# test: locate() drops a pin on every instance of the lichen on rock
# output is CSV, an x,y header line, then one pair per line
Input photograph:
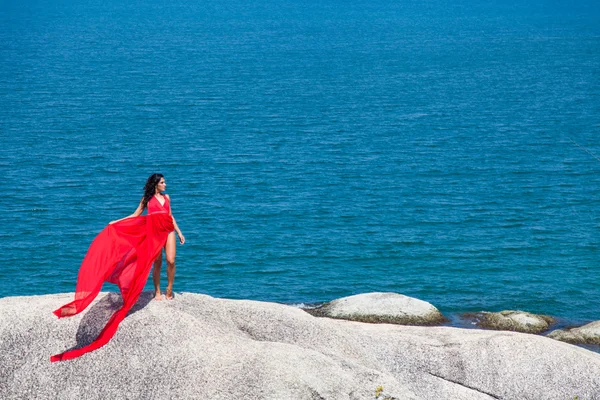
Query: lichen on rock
x,y
510,320
586,334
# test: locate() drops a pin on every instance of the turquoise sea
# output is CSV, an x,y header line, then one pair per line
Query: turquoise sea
x,y
312,149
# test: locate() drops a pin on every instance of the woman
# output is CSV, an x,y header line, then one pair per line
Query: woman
x,y
156,201
123,254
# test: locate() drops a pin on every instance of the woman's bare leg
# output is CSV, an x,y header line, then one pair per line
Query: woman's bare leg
x,y
156,276
170,250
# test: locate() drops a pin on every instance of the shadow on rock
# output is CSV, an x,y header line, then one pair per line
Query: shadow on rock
x,y
98,315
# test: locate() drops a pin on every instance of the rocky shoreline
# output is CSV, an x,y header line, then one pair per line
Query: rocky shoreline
x,y
398,309
202,347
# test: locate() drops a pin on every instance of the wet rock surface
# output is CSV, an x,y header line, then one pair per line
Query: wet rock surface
x,y
509,320
586,334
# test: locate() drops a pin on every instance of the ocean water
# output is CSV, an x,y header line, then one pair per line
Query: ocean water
x,y
312,149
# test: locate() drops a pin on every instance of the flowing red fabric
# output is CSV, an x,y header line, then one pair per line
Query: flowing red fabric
x,y
122,254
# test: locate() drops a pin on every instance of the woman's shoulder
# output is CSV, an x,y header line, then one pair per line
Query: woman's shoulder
x,y
167,196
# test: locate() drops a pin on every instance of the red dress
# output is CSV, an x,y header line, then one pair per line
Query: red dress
x,y
123,254
155,206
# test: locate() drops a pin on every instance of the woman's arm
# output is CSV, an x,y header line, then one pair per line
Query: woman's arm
x,y
181,237
136,213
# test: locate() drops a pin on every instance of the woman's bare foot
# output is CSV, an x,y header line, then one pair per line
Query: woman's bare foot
x,y
169,293
158,296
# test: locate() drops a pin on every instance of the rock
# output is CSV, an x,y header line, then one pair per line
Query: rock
x,y
391,308
586,334
508,320
199,347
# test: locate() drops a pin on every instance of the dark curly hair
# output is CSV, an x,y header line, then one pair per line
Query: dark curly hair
x,y
150,187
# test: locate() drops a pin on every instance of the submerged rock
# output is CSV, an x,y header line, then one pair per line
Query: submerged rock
x,y
391,308
200,347
508,320
586,334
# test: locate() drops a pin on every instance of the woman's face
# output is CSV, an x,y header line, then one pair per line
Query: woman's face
x,y
162,185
